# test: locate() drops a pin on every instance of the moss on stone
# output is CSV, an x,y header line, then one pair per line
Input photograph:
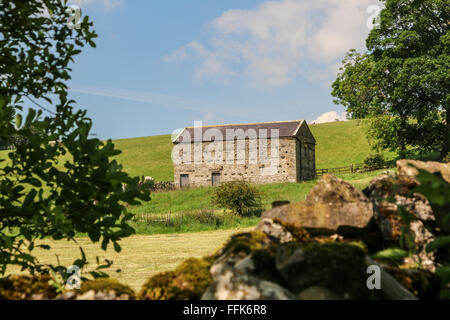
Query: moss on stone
x,y
27,287
422,283
106,285
246,242
335,248
337,266
187,282
300,234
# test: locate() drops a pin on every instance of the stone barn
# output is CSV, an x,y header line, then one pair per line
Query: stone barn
x,y
268,152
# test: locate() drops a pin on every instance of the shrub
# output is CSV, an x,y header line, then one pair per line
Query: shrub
x,y
374,162
238,196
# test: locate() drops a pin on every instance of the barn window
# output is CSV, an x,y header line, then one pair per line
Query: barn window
x,y
215,178
184,180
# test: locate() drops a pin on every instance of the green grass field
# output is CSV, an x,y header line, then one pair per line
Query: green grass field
x,y
338,144
141,257
196,199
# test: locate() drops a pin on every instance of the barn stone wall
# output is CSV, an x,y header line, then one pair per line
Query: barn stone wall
x,y
287,163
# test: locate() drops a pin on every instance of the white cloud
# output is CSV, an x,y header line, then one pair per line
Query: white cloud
x,y
278,41
212,63
331,116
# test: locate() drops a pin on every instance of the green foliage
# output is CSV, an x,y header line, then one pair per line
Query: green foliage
x,y
443,241
402,82
238,196
433,187
447,158
444,274
375,162
357,85
39,196
395,255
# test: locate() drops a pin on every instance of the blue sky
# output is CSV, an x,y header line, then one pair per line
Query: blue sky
x,y
160,65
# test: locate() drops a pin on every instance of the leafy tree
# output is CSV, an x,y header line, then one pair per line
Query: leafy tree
x,y
238,196
59,181
402,81
357,85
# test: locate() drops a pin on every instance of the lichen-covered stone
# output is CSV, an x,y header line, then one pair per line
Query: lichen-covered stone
x,y
389,196
323,218
187,282
422,283
235,285
407,170
339,267
332,206
245,269
252,251
318,293
330,189
100,289
275,231
27,287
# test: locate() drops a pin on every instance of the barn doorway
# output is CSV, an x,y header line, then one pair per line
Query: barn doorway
x,y
215,179
184,180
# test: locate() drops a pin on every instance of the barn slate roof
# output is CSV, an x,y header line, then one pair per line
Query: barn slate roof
x,y
285,129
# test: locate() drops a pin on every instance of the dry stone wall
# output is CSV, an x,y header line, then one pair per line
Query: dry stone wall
x,y
276,167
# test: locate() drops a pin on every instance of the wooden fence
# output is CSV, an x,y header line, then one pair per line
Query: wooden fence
x,y
353,168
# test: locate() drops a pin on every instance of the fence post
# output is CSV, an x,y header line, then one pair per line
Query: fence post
x,y
351,168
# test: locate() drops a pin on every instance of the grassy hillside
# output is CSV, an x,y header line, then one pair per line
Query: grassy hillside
x,y
147,156
338,144
341,143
